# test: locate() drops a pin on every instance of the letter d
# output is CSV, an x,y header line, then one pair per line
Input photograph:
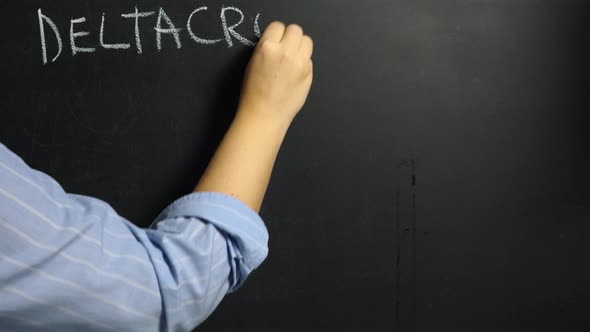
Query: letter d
x,y
42,33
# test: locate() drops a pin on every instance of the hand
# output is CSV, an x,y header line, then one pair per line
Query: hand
x,y
279,75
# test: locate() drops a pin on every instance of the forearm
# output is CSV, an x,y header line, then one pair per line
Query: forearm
x,y
276,84
242,165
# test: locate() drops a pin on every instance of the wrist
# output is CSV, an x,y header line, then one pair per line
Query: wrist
x,y
263,118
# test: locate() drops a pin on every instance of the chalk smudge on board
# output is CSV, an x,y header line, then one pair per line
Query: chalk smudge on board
x,y
405,224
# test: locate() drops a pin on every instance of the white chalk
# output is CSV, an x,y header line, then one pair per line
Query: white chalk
x,y
193,35
171,30
111,46
73,36
256,26
163,25
42,33
136,15
229,31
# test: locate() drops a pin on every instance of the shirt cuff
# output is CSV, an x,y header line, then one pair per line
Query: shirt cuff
x,y
228,214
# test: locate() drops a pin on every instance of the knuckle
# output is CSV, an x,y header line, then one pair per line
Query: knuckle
x,y
286,56
269,50
295,27
264,43
277,24
265,46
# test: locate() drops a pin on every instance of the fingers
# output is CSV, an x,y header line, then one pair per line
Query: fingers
x,y
306,49
292,38
274,32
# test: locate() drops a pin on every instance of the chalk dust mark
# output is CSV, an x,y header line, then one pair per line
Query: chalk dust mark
x,y
406,245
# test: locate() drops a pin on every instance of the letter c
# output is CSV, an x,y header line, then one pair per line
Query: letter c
x,y
192,34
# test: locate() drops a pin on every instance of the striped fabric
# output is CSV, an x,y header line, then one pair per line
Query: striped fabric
x,y
71,263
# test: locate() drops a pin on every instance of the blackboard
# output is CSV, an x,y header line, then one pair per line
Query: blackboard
x,y
436,180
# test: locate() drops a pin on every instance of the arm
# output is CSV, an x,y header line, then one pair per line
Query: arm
x,y
199,248
276,84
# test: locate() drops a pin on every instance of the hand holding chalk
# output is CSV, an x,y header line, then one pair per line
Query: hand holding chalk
x,y
279,75
275,87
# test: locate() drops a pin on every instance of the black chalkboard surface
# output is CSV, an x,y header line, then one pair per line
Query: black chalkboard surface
x,y
437,179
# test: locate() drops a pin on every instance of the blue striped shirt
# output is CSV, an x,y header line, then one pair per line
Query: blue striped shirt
x,y
69,262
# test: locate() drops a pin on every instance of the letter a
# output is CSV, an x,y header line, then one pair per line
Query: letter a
x,y
171,30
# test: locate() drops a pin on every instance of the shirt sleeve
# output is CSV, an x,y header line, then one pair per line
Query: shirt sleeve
x,y
70,262
210,242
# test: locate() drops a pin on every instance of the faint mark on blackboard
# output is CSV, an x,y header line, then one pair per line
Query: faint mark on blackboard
x,y
397,252
405,285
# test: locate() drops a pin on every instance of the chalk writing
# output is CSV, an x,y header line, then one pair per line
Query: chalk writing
x,y
164,26
136,15
73,36
171,30
42,32
229,31
193,35
113,46
257,26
